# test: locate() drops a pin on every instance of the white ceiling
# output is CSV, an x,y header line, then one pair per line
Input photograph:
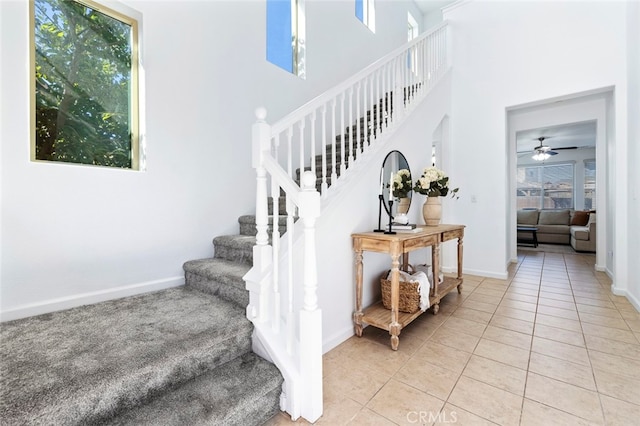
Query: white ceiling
x,y
428,6
581,135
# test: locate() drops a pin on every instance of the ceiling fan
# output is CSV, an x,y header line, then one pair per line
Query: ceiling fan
x,y
542,151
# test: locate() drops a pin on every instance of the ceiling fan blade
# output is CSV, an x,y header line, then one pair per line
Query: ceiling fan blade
x,y
551,152
566,147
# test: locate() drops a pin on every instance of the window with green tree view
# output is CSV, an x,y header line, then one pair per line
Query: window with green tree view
x,y
85,95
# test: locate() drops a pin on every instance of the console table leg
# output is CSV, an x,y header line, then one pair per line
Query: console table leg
x,y
459,288
436,308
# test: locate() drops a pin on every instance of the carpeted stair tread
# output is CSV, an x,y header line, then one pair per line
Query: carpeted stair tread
x,y
234,247
244,391
85,364
247,224
219,277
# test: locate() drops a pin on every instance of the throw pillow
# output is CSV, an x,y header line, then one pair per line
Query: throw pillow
x,y
580,218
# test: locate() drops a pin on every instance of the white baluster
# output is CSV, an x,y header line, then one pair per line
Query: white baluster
x,y
359,142
290,152
290,313
343,151
334,175
312,154
301,145
351,130
324,186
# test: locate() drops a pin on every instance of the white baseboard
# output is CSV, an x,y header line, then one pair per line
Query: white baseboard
x,y
487,274
337,338
68,302
619,292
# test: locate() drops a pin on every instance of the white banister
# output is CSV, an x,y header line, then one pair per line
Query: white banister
x,y
346,123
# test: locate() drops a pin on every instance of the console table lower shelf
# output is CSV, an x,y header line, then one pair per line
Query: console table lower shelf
x,y
378,316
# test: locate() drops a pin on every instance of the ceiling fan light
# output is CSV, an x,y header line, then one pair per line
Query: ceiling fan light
x,y
540,156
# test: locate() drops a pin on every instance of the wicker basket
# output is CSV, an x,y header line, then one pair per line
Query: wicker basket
x,y
409,297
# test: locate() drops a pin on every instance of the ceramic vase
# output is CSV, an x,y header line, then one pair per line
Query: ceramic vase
x,y
403,205
432,211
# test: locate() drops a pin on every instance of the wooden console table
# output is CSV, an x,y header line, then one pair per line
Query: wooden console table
x,y
396,245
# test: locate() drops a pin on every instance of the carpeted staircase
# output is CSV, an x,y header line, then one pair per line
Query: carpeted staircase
x,y
174,357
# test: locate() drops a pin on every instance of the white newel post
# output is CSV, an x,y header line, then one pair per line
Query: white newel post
x,y
310,315
258,281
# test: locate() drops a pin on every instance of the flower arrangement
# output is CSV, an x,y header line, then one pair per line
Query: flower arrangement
x,y
402,183
434,183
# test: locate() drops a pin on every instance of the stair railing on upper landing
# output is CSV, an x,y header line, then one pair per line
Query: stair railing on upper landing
x,y
327,136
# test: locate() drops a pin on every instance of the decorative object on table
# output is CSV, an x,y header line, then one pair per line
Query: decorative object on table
x,y
401,219
414,291
402,186
434,184
395,183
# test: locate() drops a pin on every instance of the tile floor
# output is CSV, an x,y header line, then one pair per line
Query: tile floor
x,y
551,345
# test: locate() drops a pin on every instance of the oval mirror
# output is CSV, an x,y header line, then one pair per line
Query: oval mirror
x,y
395,168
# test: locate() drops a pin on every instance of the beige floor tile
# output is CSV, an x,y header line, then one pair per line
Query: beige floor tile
x,y
564,396
465,326
558,322
429,378
518,304
617,412
479,305
594,302
501,352
549,289
557,303
565,371
536,414
556,296
356,382
598,310
621,387
366,417
557,312
497,374
629,315
522,291
604,321
492,300
487,401
472,314
559,335
508,337
520,297
609,333
634,325
560,350
614,347
489,292
516,313
443,356
454,339
400,403
615,364
337,409
520,326
452,415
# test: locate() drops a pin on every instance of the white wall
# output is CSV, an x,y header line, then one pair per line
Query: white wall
x,y
355,209
633,28
513,53
74,234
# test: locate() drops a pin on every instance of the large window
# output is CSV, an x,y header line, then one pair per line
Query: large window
x,y
366,13
589,184
286,35
85,96
548,186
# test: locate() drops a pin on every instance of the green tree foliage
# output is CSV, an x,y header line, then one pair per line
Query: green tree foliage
x,y
83,83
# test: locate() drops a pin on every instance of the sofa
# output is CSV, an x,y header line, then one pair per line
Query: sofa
x,y
566,226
